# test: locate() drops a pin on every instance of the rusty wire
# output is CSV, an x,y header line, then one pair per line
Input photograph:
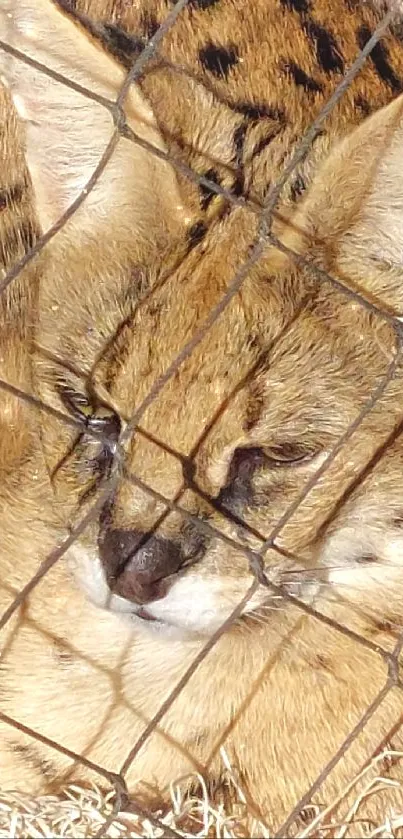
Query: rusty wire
x,y
266,212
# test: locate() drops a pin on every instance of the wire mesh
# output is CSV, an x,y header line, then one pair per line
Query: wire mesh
x,y
265,212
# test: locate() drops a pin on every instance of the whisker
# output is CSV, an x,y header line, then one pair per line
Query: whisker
x,y
317,569
257,613
324,569
256,619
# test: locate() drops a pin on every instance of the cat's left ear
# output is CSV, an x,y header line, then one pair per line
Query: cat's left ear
x,y
67,116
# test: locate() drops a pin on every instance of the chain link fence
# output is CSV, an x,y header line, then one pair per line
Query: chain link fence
x,y
266,212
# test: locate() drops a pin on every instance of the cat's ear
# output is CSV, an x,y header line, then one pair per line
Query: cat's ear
x,y
67,131
354,208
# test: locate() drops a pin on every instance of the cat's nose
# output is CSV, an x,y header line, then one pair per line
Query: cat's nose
x,y
137,564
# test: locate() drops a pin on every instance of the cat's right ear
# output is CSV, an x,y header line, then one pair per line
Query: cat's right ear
x,y
353,212
67,131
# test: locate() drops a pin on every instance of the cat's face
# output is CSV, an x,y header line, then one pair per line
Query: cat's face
x,y
234,437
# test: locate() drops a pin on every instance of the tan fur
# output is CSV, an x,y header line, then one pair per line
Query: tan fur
x,y
289,363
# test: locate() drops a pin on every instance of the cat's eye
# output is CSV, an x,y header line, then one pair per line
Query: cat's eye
x,y
287,453
106,422
247,459
97,417
93,449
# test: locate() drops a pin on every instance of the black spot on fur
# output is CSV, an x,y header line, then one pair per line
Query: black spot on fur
x,y
202,4
256,399
31,755
263,143
149,24
379,57
23,235
366,559
298,187
11,196
123,46
300,6
239,142
326,48
196,233
218,60
362,105
255,111
301,78
207,194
